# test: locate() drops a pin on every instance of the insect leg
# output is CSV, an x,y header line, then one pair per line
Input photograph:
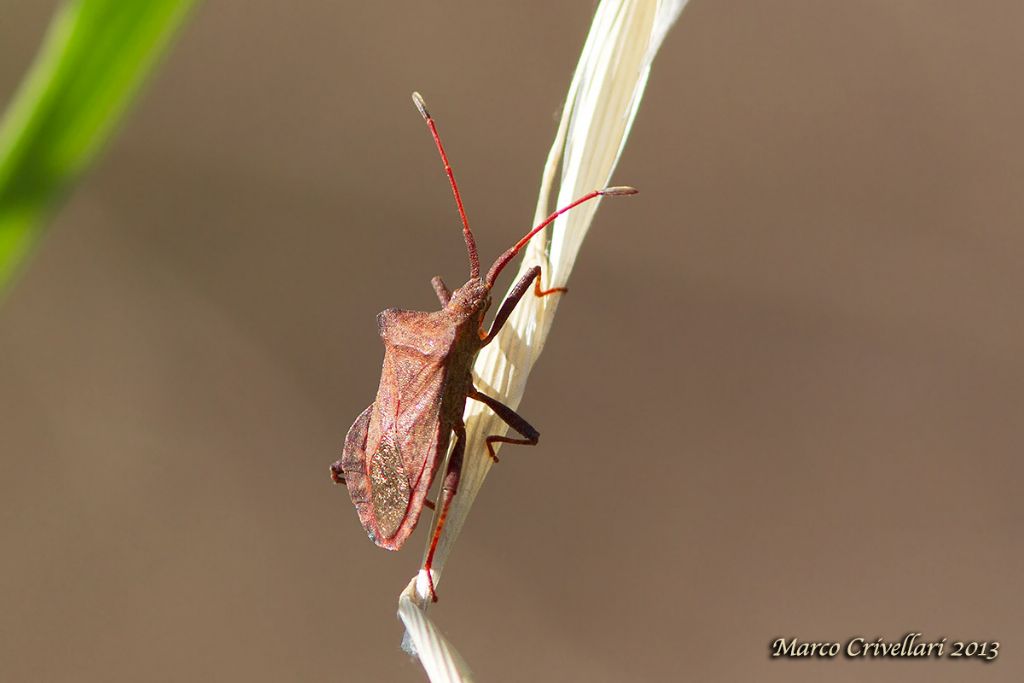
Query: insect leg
x,y
511,418
509,304
444,294
449,488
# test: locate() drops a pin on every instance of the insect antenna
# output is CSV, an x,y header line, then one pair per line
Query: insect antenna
x,y
474,260
502,261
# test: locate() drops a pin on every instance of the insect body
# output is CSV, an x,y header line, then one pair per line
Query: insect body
x,y
395,447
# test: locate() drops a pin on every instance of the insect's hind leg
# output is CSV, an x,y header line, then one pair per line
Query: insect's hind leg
x,y
511,418
449,487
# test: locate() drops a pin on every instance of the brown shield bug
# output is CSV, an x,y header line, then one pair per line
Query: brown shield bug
x,y
395,446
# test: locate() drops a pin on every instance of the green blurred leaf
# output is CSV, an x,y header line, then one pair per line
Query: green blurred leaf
x,y
95,56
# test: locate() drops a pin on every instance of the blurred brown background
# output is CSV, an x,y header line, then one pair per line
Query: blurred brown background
x,y
799,350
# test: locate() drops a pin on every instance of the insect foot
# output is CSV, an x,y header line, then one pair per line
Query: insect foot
x,y
336,475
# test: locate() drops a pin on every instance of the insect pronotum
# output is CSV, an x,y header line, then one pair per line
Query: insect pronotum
x,y
395,446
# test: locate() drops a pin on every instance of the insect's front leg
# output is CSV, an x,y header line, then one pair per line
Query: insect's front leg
x,y
444,295
511,418
449,487
509,304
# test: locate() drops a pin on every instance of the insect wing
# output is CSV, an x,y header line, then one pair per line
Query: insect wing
x,y
407,434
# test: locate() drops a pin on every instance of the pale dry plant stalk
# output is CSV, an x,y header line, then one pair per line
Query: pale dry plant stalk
x,y
600,107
